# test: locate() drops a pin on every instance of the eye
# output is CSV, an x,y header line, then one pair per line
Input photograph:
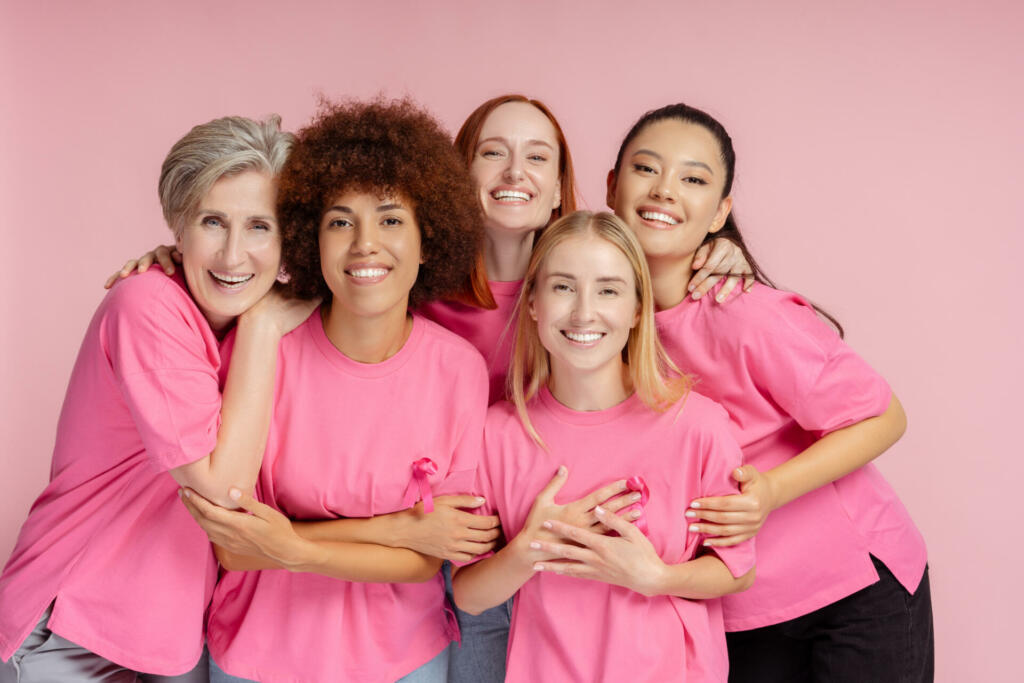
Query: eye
x,y
609,291
538,158
339,223
642,168
212,221
491,154
694,180
561,287
261,226
391,221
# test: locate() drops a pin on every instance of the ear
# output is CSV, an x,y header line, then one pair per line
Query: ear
x,y
179,241
724,207
636,315
558,195
531,309
610,197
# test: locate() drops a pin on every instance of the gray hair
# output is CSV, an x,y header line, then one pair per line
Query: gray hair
x,y
210,151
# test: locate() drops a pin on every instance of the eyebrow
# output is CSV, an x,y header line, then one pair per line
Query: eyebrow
x,y
505,142
569,276
383,207
686,162
221,214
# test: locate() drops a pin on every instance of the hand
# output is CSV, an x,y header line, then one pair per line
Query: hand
x,y
449,532
737,518
166,256
581,513
712,261
628,560
256,530
280,311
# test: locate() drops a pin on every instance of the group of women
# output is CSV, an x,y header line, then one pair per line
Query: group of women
x,y
316,377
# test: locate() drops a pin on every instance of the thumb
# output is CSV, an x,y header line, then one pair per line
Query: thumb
x,y
700,256
460,501
745,474
246,502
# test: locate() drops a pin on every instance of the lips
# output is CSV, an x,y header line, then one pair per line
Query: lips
x,y
231,280
511,196
583,337
367,273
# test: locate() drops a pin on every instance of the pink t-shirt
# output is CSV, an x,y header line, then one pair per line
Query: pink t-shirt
x,y
567,629
787,379
492,332
343,440
129,570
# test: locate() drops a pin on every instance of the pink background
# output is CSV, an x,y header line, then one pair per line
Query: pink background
x,y
879,148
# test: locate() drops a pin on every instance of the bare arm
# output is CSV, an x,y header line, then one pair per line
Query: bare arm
x,y
265,528
246,404
714,260
733,519
166,256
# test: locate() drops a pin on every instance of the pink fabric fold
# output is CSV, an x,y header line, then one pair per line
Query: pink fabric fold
x,y
421,469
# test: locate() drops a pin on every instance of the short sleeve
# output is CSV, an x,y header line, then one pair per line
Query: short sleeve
x,y
803,365
165,360
722,455
461,476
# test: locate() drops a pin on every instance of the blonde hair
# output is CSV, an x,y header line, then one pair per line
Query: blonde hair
x,y
656,379
210,151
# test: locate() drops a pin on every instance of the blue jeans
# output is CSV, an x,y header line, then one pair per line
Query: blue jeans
x,y
433,671
481,657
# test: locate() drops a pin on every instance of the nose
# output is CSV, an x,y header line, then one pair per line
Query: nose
x,y
233,251
367,239
582,310
514,170
662,189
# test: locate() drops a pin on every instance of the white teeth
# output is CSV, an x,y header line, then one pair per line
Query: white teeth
x,y
583,337
658,216
511,194
368,272
231,280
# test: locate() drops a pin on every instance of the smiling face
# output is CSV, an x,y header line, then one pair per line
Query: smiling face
x,y
669,189
515,167
585,304
231,250
370,252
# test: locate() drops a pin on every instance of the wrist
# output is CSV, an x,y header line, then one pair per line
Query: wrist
x,y
306,556
659,581
261,325
519,552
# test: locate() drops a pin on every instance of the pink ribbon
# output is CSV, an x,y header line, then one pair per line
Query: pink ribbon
x,y
638,484
421,469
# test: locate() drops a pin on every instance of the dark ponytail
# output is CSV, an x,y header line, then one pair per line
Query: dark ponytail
x,y
730,230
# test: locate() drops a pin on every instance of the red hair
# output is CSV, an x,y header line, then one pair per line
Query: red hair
x,y
476,291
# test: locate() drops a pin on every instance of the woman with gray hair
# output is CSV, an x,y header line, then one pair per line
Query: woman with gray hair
x,y
110,577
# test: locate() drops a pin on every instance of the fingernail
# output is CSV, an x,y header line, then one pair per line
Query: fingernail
x,y
635,497
187,494
598,510
689,288
234,494
535,545
538,567
691,514
180,493
693,528
695,296
546,525
695,504
561,470
480,499
720,298
635,514
706,543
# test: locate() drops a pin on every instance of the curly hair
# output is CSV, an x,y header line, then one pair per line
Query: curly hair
x,y
387,148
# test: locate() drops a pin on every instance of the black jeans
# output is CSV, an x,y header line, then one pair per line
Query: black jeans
x,y
880,634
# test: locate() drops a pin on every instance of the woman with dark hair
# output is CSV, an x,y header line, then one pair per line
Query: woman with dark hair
x,y
110,579
376,408
842,590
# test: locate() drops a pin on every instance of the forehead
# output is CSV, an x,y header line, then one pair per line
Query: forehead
x,y
588,256
369,199
519,121
248,188
675,140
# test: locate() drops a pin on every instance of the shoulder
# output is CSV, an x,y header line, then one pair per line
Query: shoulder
x,y
452,347
695,411
152,301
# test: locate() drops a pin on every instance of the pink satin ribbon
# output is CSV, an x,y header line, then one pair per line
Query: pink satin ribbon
x,y
638,484
421,469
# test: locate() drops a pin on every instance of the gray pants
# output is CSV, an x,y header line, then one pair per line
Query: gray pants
x,y
434,671
45,657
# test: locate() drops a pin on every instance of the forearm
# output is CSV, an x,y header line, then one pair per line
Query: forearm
x,y
491,581
245,417
387,530
700,579
837,454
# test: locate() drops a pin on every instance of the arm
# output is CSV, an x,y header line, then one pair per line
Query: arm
x,y
712,261
246,403
165,256
629,560
279,547
736,518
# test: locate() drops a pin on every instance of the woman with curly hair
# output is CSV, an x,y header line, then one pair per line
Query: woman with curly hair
x,y
375,409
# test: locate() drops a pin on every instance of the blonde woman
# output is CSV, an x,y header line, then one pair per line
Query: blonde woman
x,y
596,398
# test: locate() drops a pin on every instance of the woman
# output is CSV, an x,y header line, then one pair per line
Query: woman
x,y
110,577
593,390
842,591
375,408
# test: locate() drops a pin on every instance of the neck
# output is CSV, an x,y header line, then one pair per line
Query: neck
x,y
669,278
367,339
590,390
507,254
